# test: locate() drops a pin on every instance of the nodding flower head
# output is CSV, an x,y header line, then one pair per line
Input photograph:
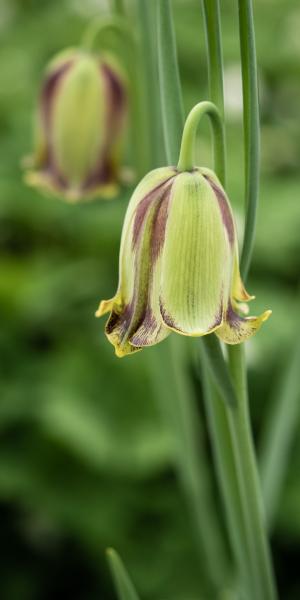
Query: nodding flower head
x,y
179,265
79,127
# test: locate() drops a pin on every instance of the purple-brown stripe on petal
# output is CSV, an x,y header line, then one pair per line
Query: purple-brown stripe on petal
x,y
224,208
104,171
159,225
142,209
49,89
233,318
167,319
219,317
146,328
117,89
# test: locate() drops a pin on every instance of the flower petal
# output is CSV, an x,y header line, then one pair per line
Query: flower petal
x,y
238,290
152,329
78,115
135,319
197,259
237,329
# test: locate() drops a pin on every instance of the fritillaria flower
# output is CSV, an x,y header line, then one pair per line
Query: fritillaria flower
x,y
79,127
179,265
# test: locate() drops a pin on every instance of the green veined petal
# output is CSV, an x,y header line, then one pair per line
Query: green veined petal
x,y
152,329
238,291
78,119
133,308
197,259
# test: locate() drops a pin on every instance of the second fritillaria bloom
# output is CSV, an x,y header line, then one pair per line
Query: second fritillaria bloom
x,y
179,266
80,125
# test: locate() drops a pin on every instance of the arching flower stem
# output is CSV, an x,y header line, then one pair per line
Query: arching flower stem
x,y
186,158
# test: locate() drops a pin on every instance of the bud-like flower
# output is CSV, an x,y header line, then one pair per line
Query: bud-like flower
x,y
179,266
79,128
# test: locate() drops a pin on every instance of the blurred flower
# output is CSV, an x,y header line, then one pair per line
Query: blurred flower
x,y
179,266
79,128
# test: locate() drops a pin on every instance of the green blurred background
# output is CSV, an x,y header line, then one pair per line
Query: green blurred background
x,y
87,456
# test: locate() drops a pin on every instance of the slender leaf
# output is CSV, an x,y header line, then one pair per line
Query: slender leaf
x,y
281,425
123,584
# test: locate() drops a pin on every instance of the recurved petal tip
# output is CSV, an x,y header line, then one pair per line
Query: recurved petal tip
x,y
237,329
105,306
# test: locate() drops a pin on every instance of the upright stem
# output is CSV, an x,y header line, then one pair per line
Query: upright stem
x,y
212,19
255,565
216,411
169,82
251,127
149,74
220,435
178,404
239,419
247,477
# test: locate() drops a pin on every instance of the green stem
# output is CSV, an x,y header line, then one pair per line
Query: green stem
x,y
178,405
169,82
251,127
233,423
219,369
239,418
150,81
211,11
216,412
247,477
104,25
187,150
219,431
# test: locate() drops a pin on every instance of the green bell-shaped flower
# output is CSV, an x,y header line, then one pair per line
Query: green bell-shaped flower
x,y
79,127
179,265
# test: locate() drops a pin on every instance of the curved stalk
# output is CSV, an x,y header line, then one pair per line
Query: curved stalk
x,y
114,23
187,149
173,122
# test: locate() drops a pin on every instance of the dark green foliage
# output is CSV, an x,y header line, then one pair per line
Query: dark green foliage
x,y
86,460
